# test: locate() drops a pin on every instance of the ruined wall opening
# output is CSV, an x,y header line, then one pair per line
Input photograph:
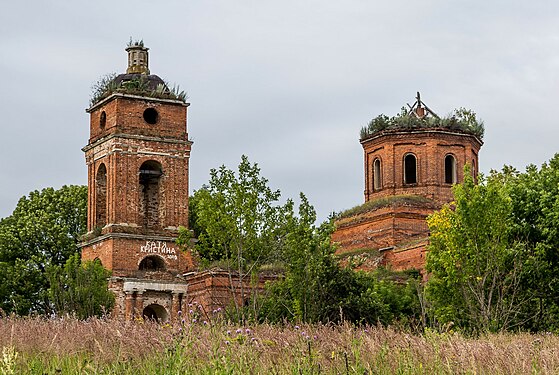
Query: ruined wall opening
x,y
156,313
150,193
377,177
102,120
151,116
152,263
101,196
410,169
449,169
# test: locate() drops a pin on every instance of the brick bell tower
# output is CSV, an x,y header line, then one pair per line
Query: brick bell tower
x,y
138,159
409,173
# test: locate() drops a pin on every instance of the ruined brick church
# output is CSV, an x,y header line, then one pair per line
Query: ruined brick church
x,y
409,173
138,164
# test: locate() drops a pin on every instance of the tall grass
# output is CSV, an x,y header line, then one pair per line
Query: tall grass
x,y
69,346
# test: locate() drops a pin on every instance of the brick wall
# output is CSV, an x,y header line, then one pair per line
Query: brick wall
x,y
123,255
430,148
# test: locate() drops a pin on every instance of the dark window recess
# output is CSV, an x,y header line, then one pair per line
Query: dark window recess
x,y
377,177
103,120
151,116
449,169
101,197
152,263
410,169
150,193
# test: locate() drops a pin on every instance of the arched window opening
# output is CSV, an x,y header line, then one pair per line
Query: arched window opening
x,y
410,169
101,196
102,120
474,169
156,313
377,176
449,169
152,263
150,181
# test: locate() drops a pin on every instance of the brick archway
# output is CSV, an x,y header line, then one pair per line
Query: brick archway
x,y
155,312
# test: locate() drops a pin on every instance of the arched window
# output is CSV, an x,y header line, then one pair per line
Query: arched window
x,y
101,196
155,313
410,169
449,169
377,176
150,194
474,170
152,263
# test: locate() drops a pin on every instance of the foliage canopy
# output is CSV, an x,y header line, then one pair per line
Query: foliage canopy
x,y
106,86
238,221
460,120
40,240
493,255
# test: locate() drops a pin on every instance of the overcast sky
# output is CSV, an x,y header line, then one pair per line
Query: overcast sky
x,y
288,83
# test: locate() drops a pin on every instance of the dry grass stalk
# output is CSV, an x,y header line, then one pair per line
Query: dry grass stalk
x,y
138,346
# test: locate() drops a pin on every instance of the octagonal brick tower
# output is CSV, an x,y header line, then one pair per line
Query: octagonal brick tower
x,y
409,173
138,161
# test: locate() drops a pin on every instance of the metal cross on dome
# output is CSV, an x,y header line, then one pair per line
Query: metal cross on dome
x,y
420,109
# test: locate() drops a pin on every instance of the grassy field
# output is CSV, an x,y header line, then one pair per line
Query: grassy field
x,y
69,346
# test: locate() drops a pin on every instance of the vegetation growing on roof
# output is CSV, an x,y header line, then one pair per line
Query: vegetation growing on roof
x,y
461,120
106,86
383,202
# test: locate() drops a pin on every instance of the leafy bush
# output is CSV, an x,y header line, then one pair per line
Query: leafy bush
x,y
460,120
106,86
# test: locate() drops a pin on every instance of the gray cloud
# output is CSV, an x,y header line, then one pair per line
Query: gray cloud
x,y
287,83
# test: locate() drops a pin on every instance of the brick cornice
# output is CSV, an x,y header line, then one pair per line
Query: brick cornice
x,y
136,137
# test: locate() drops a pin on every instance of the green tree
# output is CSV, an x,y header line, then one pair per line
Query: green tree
x,y
80,289
43,230
535,206
316,289
236,218
476,263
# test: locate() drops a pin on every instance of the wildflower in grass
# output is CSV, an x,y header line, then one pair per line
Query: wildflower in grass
x,y
253,339
189,305
191,311
247,331
205,323
297,327
228,333
215,311
180,312
238,330
194,320
183,321
218,309
227,342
